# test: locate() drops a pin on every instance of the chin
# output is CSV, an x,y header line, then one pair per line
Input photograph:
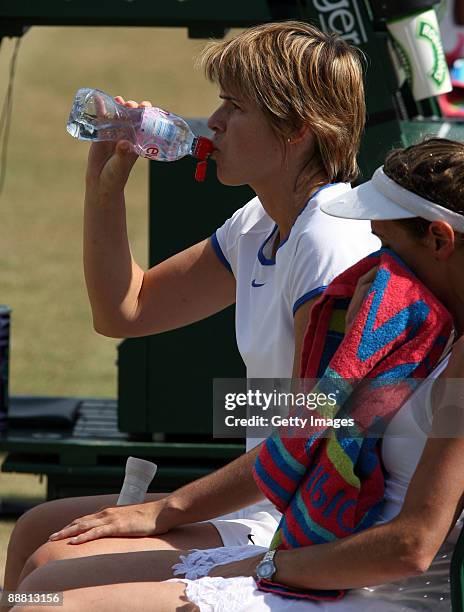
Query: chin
x,y
229,180
230,183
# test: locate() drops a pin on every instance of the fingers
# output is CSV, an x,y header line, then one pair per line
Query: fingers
x,y
359,295
100,106
66,532
126,159
123,147
102,531
369,276
82,533
132,103
79,525
72,529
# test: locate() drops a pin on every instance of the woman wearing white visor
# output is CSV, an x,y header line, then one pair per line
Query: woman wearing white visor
x,y
402,562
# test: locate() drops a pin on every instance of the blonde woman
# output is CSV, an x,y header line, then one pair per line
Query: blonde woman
x,y
289,125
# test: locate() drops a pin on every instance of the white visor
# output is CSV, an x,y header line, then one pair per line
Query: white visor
x,y
384,200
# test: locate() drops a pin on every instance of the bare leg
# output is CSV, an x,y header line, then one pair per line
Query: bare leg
x,y
103,569
35,526
140,597
33,529
197,535
112,582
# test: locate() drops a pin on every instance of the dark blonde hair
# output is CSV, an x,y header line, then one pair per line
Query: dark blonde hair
x,y
434,170
298,75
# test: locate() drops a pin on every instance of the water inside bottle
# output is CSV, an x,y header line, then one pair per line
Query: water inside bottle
x,y
96,116
155,133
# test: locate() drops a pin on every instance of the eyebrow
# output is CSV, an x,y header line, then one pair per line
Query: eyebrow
x,y
231,98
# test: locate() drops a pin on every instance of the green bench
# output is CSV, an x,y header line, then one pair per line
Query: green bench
x,y
90,458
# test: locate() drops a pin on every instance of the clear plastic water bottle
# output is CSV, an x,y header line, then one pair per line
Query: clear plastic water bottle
x,y
153,132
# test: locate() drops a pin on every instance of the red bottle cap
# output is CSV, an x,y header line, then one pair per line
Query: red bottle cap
x,y
203,149
200,171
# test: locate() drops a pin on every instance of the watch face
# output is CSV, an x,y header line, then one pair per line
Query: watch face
x,y
265,569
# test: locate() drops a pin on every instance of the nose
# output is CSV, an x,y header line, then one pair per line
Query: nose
x,y
216,122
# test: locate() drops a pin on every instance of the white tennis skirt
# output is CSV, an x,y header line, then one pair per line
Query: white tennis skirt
x,y
428,592
255,524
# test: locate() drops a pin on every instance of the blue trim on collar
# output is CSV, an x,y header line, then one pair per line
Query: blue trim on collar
x,y
271,262
262,258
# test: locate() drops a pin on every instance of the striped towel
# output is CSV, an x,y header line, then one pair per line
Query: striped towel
x,y
328,482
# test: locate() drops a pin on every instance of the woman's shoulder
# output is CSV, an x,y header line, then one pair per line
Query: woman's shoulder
x,y
251,218
333,233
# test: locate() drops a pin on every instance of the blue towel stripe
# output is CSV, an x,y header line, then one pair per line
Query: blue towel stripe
x,y
271,484
286,463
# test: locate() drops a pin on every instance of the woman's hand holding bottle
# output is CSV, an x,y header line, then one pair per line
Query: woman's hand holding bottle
x,y
110,162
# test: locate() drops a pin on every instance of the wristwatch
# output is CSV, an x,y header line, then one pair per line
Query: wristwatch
x,y
266,567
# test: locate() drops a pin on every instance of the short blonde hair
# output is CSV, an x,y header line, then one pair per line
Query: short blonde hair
x,y
298,76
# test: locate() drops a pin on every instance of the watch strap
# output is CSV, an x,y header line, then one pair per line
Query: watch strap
x,y
269,556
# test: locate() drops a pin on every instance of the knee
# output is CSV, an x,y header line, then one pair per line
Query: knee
x,y
39,578
42,556
29,524
22,537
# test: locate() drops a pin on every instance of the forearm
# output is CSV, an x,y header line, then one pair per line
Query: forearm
x,y
113,279
383,553
226,490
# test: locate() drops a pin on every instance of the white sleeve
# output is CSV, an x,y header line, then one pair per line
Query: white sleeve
x,y
225,237
317,262
218,242
323,252
307,278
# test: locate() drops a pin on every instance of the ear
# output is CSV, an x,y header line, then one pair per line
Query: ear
x,y
441,240
302,135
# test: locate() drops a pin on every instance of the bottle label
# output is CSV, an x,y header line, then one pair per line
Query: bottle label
x,y
155,134
417,41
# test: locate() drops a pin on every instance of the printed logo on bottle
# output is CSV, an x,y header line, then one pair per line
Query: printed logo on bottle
x,y
404,60
152,152
155,133
429,33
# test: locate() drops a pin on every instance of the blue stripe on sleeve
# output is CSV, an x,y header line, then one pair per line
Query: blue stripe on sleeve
x,y
219,253
308,296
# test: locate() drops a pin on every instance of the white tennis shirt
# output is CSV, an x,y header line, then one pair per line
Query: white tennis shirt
x,y
270,290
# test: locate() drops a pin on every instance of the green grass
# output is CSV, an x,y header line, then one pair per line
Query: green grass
x,y
54,349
